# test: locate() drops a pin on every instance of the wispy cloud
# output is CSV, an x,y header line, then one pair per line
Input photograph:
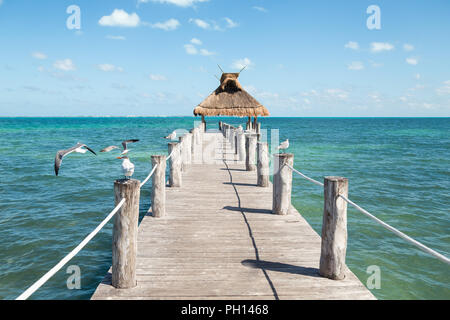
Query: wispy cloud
x,y
444,89
120,18
355,65
65,65
408,47
381,46
109,68
168,25
231,23
179,3
196,41
157,77
38,55
190,49
352,45
260,9
412,61
241,63
115,37
200,23
205,52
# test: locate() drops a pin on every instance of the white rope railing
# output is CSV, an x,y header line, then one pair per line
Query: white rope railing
x,y
384,224
149,176
170,156
67,258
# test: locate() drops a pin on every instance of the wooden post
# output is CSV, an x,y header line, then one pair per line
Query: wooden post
x,y
125,230
258,128
175,177
250,151
203,124
220,125
263,164
189,148
334,229
183,150
159,187
282,183
232,139
241,146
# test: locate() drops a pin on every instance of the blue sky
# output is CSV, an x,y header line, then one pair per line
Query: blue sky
x,y
159,57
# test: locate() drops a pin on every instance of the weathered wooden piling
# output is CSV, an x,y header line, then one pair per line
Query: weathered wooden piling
x,y
184,152
159,187
282,183
175,177
189,148
250,151
334,229
125,231
241,145
263,164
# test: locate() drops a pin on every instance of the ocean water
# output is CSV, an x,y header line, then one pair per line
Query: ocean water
x,y
398,169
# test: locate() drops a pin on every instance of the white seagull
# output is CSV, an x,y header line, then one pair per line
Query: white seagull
x,y
284,145
127,167
124,145
171,136
62,153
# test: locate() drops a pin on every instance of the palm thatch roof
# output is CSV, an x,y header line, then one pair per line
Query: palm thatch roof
x,y
230,99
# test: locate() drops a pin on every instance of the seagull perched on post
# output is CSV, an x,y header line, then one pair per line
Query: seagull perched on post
x,y
127,167
124,145
284,145
79,148
171,136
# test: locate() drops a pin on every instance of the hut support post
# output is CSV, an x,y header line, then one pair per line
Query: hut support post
x,y
250,150
175,165
282,183
334,229
203,123
125,230
159,187
263,164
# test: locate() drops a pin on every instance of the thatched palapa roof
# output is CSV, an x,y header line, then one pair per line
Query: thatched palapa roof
x,y
230,99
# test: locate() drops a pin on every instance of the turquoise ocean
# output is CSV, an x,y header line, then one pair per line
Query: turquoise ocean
x,y
398,169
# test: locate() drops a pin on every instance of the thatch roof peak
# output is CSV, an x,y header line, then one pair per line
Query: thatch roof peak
x,y
230,99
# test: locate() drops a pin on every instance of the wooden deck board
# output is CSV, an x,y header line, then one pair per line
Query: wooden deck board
x,y
219,240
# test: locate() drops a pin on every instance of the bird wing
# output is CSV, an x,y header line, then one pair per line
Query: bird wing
x,y
108,149
62,153
83,145
124,143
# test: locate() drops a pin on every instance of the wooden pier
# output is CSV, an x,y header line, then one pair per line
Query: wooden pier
x,y
219,240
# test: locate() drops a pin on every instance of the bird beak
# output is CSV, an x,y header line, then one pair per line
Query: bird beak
x,y
119,157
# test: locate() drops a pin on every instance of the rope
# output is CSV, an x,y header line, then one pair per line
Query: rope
x,y
399,233
67,258
149,176
305,176
170,156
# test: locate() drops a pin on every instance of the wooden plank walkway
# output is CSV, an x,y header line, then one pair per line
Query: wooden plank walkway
x,y
219,240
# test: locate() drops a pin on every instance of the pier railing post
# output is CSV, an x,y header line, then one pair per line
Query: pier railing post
x,y
282,183
125,230
241,145
175,177
250,151
334,229
189,148
183,151
263,164
159,187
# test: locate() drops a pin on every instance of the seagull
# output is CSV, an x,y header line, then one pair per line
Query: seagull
x,y
171,136
124,145
62,153
127,167
284,145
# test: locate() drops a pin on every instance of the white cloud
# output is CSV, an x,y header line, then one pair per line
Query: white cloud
x,y
200,23
38,55
120,18
64,65
260,9
157,77
241,63
180,3
231,23
412,61
337,93
196,41
417,76
1,2
445,89
168,25
116,37
109,67
381,46
352,45
190,49
408,47
205,52
355,65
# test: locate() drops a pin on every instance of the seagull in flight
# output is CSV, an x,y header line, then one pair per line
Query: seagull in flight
x,y
171,136
284,145
127,167
124,145
79,148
